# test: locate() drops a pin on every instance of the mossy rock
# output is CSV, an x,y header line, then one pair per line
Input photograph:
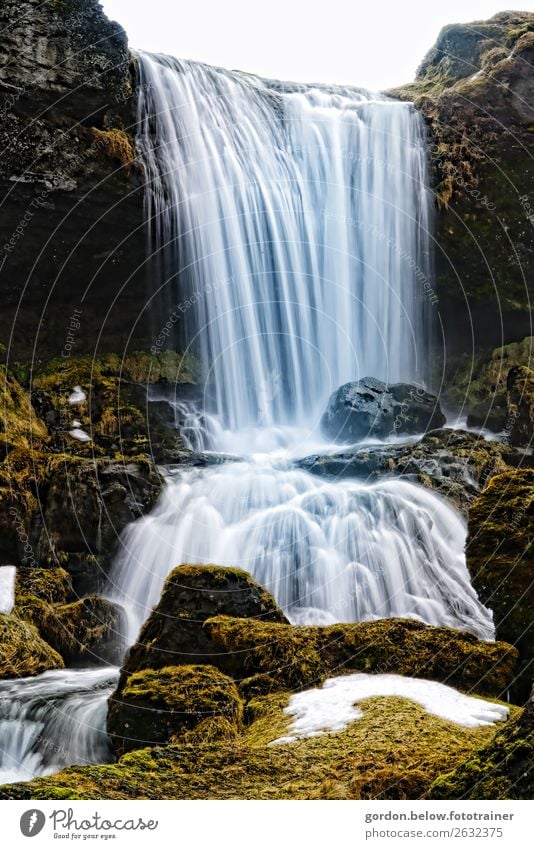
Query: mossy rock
x,y
174,631
520,405
502,769
299,657
155,705
478,386
395,751
22,651
500,559
52,585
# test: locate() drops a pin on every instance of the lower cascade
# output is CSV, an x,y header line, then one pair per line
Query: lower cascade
x,y
328,551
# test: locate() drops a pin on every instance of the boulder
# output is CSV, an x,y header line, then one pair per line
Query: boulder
x,y
297,656
22,651
500,559
157,705
369,408
174,633
502,769
520,405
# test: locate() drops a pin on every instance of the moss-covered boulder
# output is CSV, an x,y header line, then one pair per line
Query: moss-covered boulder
x,y
52,585
502,769
174,633
520,405
22,651
157,705
298,657
500,559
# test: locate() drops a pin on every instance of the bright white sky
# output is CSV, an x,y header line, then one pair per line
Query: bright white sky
x,y
375,43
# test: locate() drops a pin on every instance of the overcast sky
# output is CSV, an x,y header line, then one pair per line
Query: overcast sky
x,y
374,44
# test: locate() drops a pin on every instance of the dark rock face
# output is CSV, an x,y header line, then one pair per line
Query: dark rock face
x,y
174,633
84,509
71,231
370,408
500,559
476,91
520,398
500,770
158,705
455,463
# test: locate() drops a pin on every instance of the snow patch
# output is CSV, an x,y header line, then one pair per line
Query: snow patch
x,y
7,588
77,396
80,435
332,707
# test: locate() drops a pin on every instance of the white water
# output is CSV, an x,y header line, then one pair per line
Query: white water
x,y
8,575
53,720
332,706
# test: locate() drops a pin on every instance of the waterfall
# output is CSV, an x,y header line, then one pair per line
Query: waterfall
x,y
53,720
289,228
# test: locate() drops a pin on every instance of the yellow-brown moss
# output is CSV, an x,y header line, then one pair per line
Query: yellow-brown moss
x,y
116,144
302,656
22,651
155,705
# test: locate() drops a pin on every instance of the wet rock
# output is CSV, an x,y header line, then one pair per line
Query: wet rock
x,y
520,405
369,408
84,509
455,463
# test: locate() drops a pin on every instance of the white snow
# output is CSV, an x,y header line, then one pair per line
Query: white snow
x,y
332,707
77,396
7,588
80,435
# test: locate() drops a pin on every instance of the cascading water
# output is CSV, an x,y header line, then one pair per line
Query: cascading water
x,y
292,221
295,220
288,228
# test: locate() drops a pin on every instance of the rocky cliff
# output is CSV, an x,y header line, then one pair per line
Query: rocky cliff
x,y
71,222
476,90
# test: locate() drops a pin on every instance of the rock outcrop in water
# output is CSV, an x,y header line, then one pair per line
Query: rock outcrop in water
x,y
456,464
369,408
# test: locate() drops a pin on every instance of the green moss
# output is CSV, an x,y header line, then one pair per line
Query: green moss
x,y
156,705
502,769
22,651
51,585
395,751
303,656
500,557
